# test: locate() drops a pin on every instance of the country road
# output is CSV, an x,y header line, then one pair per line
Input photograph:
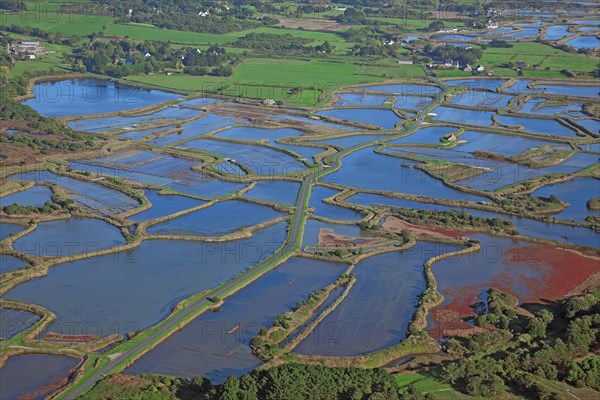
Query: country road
x,y
294,239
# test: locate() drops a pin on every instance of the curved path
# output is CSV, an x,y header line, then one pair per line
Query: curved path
x,y
292,243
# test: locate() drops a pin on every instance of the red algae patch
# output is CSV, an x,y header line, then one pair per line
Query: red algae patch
x,y
532,272
395,224
562,270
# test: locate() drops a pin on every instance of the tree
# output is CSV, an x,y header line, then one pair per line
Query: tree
x,y
231,388
537,327
436,26
223,70
486,386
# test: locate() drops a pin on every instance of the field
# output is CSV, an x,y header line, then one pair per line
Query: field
x,y
415,23
305,97
179,82
428,384
34,66
145,32
52,60
264,78
551,59
315,73
65,24
395,72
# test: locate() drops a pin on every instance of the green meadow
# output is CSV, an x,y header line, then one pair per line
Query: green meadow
x,y
415,23
532,53
146,32
51,21
296,82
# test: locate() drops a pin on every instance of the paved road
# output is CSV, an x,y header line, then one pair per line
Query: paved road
x,y
293,240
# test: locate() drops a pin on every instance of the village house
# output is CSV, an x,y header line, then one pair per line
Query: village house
x,y
491,24
28,49
405,61
448,30
444,64
521,65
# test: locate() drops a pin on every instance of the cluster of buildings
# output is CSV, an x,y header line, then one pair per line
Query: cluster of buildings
x,y
452,64
28,49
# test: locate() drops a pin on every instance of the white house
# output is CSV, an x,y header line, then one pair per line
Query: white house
x,y
444,64
491,24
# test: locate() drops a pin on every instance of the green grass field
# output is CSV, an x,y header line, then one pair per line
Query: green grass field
x,y
180,82
144,32
304,97
50,21
53,60
308,74
427,384
141,32
552,60
264,78
393,72
415,23
34,66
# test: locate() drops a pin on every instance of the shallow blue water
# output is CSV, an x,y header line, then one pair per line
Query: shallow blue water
x,y
132,290
90,96
213,347
220,219
35,196
66,237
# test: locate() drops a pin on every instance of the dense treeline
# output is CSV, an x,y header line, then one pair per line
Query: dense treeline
x,y
58,203
55,136
185,15
290,381
122,58
455,218
376,48
499,310
281,43
11,110
499,43
64,140
50,37
550,346
6,61
12,5
461,54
